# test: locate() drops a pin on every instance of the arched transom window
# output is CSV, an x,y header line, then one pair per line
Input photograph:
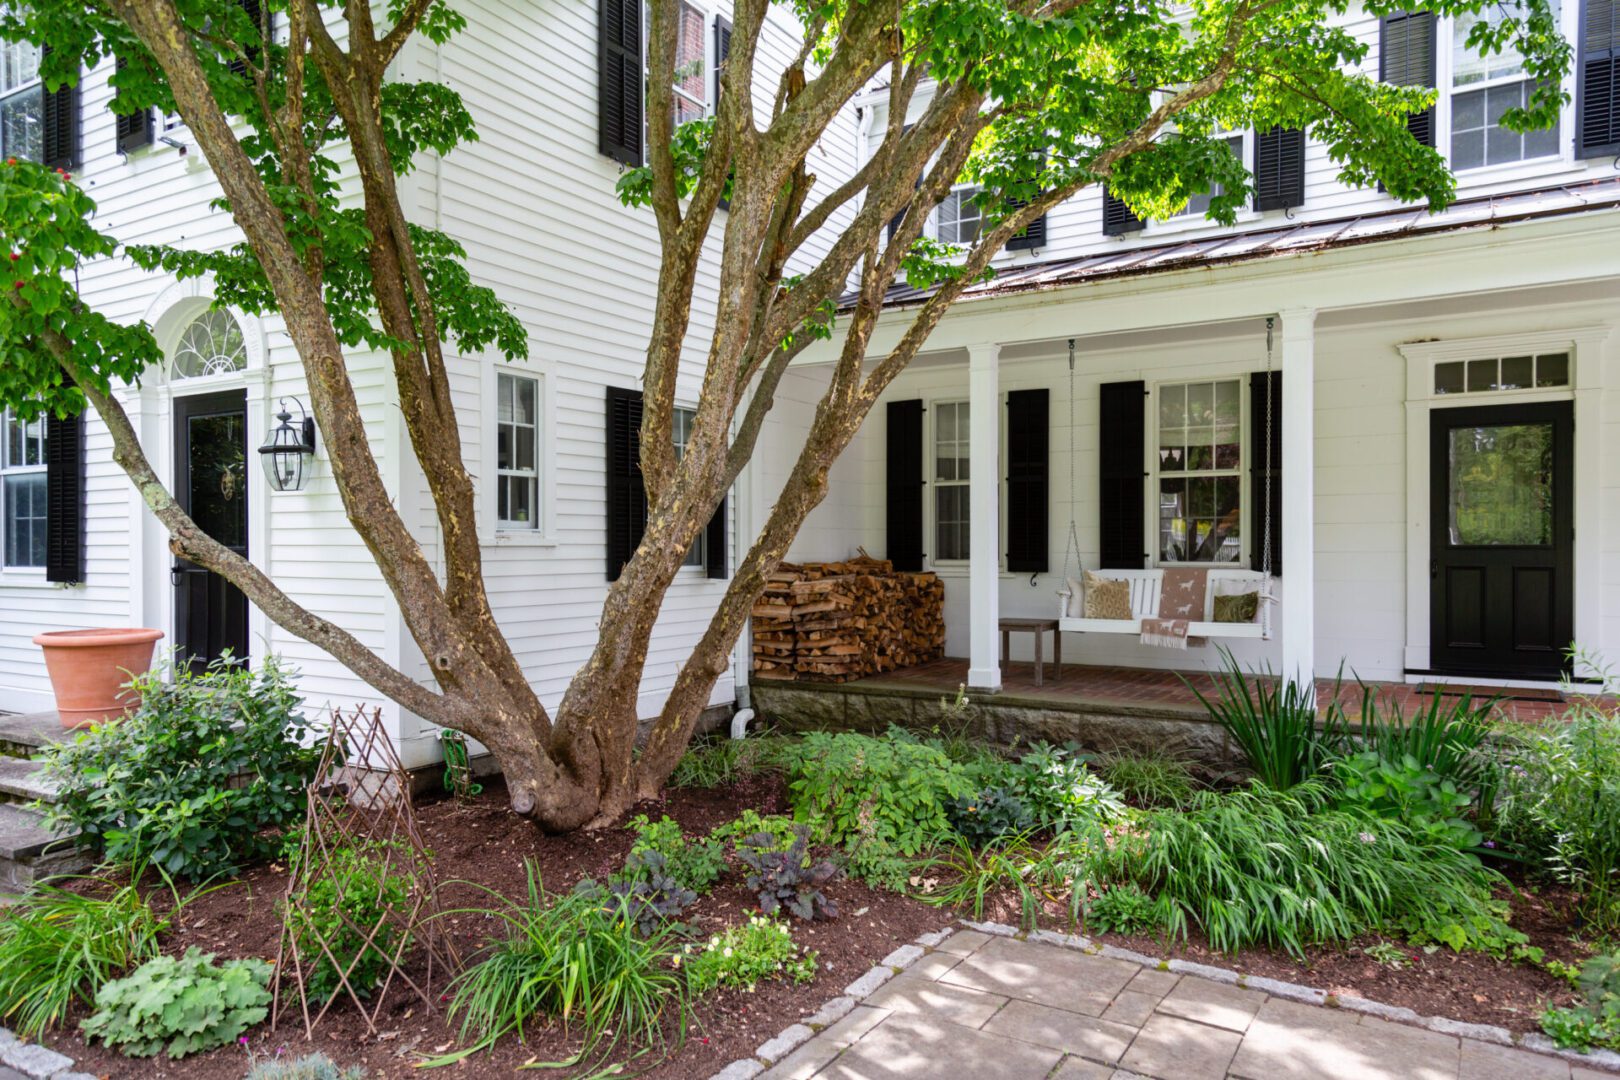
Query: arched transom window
x,y
211,345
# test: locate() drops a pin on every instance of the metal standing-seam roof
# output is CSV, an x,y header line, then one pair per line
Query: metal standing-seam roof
x,y
1299,238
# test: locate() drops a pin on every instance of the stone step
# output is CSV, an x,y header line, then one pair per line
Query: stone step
x,y
22,780
25,734
31,851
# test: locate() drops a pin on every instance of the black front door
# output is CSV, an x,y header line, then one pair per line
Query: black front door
x,y
1502,573
211,477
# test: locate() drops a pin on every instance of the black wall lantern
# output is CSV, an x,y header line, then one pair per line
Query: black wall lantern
x,y
289,450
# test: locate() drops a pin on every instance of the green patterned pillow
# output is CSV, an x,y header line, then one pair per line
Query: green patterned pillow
x,y
1241,607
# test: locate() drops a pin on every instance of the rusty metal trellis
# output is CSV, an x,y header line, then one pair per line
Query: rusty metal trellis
x,y
360,799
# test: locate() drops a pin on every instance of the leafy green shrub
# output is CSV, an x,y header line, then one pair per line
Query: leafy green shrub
x,y
57,946
741,956
990,815
647,891
1061,792
1148,779
180,1005
571,959
1596,1021
1122,909
191,781
694,863
1560,804
1406,790
1275,723
889,791
1446,736
781,827
308,1067
1259,866
357,894
786,878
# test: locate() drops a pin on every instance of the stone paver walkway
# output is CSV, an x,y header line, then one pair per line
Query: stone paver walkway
x,y
996,1008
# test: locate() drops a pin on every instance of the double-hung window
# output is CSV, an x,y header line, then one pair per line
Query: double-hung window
x,y
1483,88
691,83
958,219
681,430
951,479
22,102
1198,205
517,452
1199,478
22,492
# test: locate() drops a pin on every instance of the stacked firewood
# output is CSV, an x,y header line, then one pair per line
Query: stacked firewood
x,y
843,620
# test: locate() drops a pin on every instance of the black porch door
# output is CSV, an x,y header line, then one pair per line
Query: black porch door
x,y
1502,573
211,478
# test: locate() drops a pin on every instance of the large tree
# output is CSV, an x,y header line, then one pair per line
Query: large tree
x,y
1030,100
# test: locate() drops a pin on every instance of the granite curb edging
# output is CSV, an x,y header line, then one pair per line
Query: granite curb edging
x,y
34,1061
795,1035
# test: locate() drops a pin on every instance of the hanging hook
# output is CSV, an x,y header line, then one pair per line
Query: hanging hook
x,y
1271,323
1071,355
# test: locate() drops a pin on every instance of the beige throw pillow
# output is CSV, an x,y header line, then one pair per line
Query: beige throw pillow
x,y
1107,598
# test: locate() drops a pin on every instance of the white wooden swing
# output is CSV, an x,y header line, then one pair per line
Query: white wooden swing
x,y
1145,584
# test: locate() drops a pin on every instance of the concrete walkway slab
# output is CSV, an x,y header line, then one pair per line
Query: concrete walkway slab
x,y
979,1005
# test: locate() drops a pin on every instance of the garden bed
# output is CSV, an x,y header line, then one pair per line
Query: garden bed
x,y
482,841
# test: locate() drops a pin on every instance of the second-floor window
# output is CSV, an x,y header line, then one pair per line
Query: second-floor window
x,y
691,101
22,492
517,452
22,102
957,220
1199,483
1483,88
1198,205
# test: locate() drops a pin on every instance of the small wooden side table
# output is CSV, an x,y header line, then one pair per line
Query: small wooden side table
x,y
1038,627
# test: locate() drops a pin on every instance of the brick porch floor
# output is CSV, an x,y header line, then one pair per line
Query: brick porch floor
x,y
1081,684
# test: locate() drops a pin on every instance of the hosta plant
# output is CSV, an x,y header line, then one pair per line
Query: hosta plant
x,y
180,1005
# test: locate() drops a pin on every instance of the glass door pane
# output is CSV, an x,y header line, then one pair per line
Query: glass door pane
x,y
1501,486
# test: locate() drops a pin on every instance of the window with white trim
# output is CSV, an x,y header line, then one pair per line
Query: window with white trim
x,y
957,219
1539,372
691,84
951,477
517,452
1483,88
1198,472
681,430
22,102
1198,205
22,492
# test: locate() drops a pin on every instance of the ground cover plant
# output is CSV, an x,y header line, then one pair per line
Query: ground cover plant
x,y
1595,1021
180,1005
694,863
198,779
786,878
58,946
308,1067
741,956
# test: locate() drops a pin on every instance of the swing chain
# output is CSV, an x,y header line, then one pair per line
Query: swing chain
x,y
1271,411
1072,550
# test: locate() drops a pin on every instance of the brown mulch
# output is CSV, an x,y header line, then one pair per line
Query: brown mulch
x,y
483,841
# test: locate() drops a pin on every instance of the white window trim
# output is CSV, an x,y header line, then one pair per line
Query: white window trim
x,y
1150,405
1528,168
20,575
931,408
537,474
1185,222
489,527
931,226
34,84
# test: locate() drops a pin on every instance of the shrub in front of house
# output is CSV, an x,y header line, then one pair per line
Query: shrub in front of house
x,y
198,778
348,930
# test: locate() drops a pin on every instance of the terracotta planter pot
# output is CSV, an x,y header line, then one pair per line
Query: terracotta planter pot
x,y
90,667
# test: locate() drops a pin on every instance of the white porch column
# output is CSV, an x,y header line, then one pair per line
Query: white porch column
x,y
984,510
1298,494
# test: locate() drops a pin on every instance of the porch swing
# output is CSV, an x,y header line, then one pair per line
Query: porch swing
x,y
1145,585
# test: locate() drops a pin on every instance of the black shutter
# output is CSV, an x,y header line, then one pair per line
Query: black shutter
x,y
254,10
716,564
619,98
1034,234
1028,435
1121,433
1279,168
1406,53
1597,96
1118,219
64,499
722,52
626,494
136,129
1262,404
904,494
61,123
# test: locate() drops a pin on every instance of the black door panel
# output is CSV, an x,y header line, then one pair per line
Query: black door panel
x,y
211,478
1501,490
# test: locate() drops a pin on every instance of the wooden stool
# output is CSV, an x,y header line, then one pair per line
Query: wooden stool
x,y
1037,627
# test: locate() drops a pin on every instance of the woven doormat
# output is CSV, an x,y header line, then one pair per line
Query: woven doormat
x,y
1485,693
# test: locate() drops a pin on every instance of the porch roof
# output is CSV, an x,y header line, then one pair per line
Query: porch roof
x,y
1483,212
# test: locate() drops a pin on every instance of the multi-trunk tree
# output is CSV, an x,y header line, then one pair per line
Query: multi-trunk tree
x,y
1031,101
